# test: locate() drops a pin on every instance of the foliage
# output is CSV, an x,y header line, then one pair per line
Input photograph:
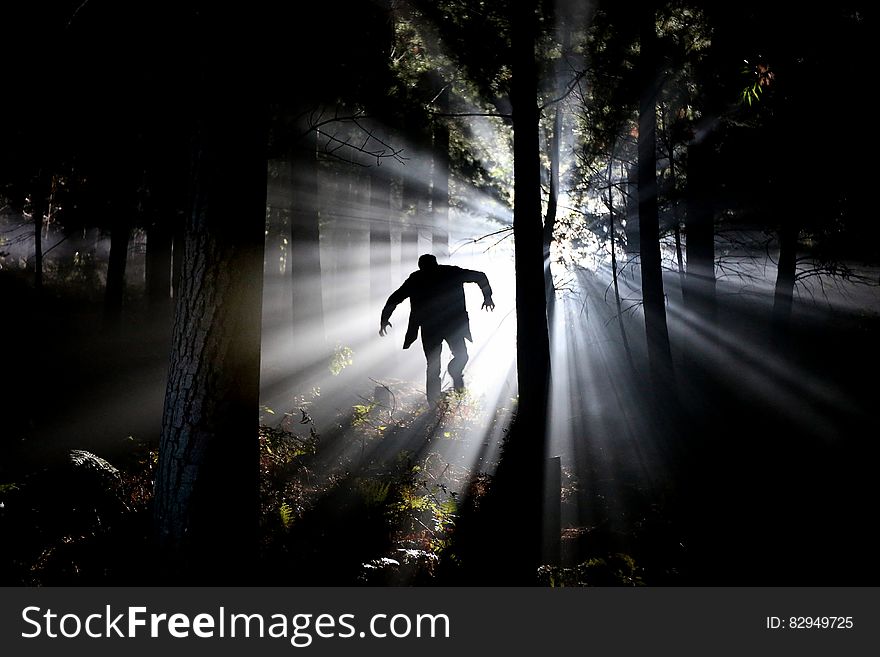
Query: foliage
x,y
83,520
284,474
342,357
618,569
758,78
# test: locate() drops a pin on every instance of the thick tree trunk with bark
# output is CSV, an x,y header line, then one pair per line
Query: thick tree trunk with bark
x,y
206,490
657,333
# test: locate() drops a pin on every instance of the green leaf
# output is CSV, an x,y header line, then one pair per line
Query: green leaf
x,y
286,513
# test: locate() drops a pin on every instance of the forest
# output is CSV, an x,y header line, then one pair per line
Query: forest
x,y
206,210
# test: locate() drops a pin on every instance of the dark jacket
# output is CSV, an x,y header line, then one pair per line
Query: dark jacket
x,y
436,298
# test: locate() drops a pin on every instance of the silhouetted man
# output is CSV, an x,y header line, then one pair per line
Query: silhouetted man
x,y
437,307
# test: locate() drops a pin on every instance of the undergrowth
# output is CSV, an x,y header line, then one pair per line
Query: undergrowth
x,y
371,495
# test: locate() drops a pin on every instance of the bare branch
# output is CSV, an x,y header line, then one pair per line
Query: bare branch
x,y
344,143
491,114
569,88
76,11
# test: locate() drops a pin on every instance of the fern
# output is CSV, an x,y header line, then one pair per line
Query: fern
x,y
286,513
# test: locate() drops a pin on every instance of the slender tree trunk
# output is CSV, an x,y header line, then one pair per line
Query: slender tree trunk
x,y
178,247
409,248
785,277
416,194
380,236
614,277
345,280
276,232
305,241
550,217
554,155
518,495
679,254
673,183
657,333
158,264
206,490
699,290
440,189
114,292
38,208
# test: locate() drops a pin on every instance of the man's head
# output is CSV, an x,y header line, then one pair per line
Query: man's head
x,y
427,261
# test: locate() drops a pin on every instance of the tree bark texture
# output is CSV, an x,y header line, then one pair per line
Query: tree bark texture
x,y
206,489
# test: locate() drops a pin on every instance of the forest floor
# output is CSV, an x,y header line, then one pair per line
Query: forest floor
x,y
761,473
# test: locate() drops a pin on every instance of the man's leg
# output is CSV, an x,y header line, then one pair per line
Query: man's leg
x,y
458,346
432,349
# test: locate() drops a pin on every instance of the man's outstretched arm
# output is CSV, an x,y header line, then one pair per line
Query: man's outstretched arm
x,y
478,277
394,300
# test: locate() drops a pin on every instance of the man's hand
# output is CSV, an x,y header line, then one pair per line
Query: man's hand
x,y
383,328
488,304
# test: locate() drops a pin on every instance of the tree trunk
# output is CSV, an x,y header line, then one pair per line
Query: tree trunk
x,y
206,489
699,290
614,275
657,333
440,189
114,292
785,277
554,155
158,264
305,240
380,236
409,248
526,444
38,208
415,193
178,247
550,217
